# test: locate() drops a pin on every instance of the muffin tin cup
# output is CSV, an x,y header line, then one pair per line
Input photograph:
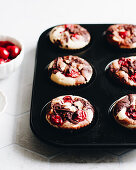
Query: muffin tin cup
x,y
101,93
71,51
60,131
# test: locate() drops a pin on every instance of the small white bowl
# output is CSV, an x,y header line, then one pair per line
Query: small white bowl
x,y
6,69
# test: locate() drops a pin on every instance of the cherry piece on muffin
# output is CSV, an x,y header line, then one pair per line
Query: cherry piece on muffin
x,y
124,111
122,35
69,112
124,70
70,71
70,36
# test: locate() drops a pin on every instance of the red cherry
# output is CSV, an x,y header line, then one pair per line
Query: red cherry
x,y
2,43
67,99
80,115
75,36
56,120
2,61
133,77
124,62
134,115
8,60
68,26
72,73
13,50
5,43
4,53
123,34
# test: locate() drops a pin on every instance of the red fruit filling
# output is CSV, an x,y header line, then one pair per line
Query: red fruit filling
x,y
56,120
68,26
123,34
67,99
131,113
4,53
124,61
62,114
133,77
75,35
80,115
72,73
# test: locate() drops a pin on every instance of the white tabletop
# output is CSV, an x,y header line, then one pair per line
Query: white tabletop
x,y
26,20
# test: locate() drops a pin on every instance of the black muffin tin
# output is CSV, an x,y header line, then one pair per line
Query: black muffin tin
x,y
102,92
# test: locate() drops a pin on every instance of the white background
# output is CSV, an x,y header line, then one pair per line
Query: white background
x,y
26,20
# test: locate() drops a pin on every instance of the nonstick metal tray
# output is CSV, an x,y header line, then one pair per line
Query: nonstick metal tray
x,y
102,92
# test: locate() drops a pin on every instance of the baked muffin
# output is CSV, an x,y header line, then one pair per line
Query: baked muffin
x,y
70,36
124,70
69,112
124,111
122,35
70,71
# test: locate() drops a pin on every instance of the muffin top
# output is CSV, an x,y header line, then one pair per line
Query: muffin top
x,y
70,36
70,70
69,112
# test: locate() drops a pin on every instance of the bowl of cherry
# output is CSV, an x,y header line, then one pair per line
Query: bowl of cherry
x,y
11,55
